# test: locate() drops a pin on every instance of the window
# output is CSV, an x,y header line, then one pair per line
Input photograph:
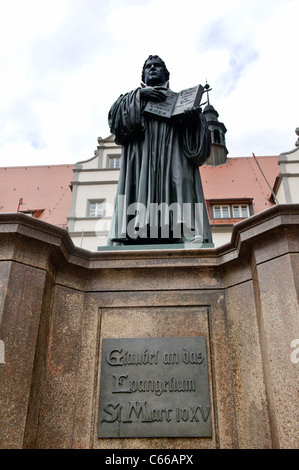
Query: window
x,y
217,139
114,162
96,209
229,210
221,212
240,211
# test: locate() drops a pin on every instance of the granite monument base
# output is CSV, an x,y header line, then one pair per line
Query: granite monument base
x,y
201,346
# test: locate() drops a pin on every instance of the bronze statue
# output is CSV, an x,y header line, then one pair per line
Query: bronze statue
x,y
159,189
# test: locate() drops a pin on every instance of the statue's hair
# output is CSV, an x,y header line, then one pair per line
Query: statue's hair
x,y
162,62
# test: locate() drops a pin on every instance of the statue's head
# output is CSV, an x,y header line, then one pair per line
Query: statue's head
x,y
154,71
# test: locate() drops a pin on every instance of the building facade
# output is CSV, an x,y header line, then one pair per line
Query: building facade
x,y
286,186
94,188
234,190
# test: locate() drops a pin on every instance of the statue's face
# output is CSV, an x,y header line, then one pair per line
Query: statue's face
x,y
154,72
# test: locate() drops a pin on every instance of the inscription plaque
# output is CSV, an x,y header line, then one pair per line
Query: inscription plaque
x,y
154,387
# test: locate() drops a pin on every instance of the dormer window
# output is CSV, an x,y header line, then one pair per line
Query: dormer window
x,y
221,212
230,209
240,211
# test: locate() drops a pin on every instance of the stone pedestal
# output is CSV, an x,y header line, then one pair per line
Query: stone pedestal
x,y
58,302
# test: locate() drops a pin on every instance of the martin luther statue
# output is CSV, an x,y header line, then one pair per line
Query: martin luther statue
x,y
159,191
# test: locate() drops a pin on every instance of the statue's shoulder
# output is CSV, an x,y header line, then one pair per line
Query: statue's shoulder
x,y
128,94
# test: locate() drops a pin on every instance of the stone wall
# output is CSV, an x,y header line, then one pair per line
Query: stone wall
x,y
57,303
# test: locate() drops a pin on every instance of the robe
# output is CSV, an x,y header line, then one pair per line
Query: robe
x,y
159,168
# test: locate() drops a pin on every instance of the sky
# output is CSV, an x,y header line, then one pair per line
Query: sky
x,y
64,62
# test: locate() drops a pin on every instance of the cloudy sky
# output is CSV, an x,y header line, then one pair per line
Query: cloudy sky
x,y
64,62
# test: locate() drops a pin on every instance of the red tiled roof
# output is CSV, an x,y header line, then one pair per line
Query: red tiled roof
x,y
241,178
45,189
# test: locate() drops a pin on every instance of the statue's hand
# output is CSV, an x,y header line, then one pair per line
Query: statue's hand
x,y
153,94
193,113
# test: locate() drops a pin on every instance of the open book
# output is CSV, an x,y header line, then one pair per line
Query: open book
x,y
175,103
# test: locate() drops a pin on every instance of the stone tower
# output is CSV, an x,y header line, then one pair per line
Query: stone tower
x,y
218,155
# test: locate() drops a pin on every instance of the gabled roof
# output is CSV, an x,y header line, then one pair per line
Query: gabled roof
x,y
44,189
